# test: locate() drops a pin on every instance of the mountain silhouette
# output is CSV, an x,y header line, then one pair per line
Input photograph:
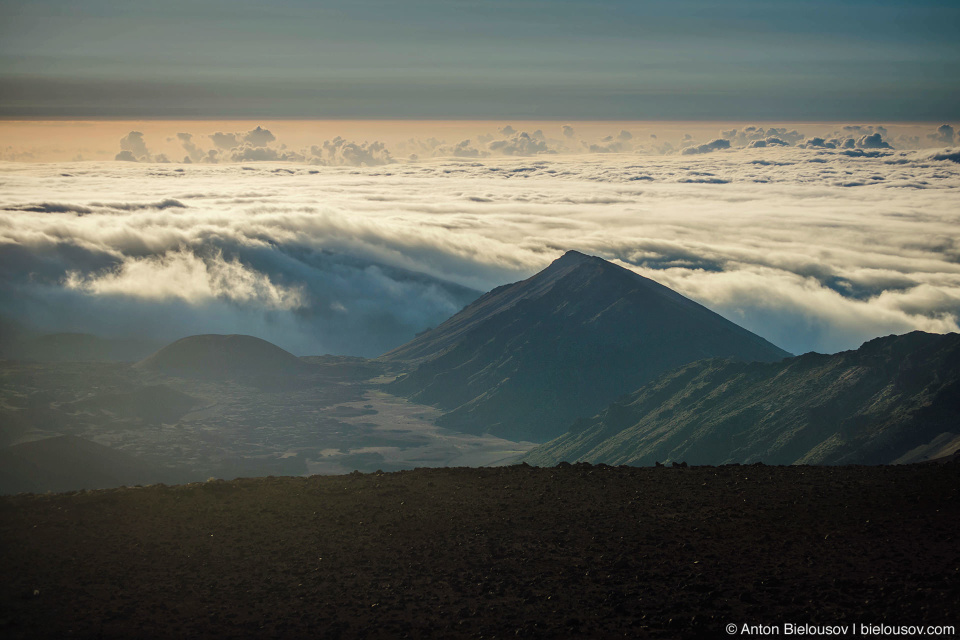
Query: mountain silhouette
x,y
526,359
216,356
18,342
895,399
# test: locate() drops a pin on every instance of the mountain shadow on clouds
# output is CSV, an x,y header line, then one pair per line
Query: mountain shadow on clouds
x,y
526,359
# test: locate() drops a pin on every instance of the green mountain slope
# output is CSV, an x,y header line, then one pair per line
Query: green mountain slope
x,y
869,406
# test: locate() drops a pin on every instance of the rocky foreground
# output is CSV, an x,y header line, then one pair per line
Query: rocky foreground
x,y
516,551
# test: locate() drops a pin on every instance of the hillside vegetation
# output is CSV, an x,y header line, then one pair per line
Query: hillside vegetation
x,y
893,397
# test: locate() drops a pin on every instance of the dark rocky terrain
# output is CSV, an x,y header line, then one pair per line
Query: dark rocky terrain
x,y
573,551
92,425
526,359
896,399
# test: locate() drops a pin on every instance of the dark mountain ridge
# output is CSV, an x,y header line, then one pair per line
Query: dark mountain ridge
x,y
18,342
526,359
895,399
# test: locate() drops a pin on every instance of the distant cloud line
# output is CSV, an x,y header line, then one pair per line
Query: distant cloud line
x,y
261,145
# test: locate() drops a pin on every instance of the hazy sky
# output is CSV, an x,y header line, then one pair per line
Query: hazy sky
x,y
677,59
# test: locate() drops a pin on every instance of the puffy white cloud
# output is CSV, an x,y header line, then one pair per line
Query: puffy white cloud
x,y
339,152
567,131
817,142
259,137
250,153
194,153
133,143
872,141
249,146
768,142
944,135
755,136
133,148
719,143
186,276
225,140
608,145
463,150
519,144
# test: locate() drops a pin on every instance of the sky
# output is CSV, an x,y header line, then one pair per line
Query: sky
x,y
812,60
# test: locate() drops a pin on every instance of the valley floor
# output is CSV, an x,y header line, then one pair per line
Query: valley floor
x,y
332,419
584,550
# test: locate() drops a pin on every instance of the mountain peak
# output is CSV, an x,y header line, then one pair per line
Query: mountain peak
x,y
525,359
574,258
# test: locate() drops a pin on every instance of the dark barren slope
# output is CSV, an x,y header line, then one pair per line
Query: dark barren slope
x,y
893,396
580,551
526,359
222,356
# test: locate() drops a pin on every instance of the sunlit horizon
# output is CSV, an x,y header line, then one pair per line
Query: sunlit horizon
x,y
40,140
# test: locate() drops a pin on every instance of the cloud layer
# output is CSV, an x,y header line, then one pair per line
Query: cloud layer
x,y
815,248
261,145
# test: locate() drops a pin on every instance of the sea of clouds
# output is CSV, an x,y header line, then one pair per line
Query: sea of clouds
x,y
814,242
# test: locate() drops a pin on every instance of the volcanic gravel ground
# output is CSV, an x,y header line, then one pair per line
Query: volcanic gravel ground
x,y
515,551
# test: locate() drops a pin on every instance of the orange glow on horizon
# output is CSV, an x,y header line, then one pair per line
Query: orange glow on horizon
x,y
70,140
